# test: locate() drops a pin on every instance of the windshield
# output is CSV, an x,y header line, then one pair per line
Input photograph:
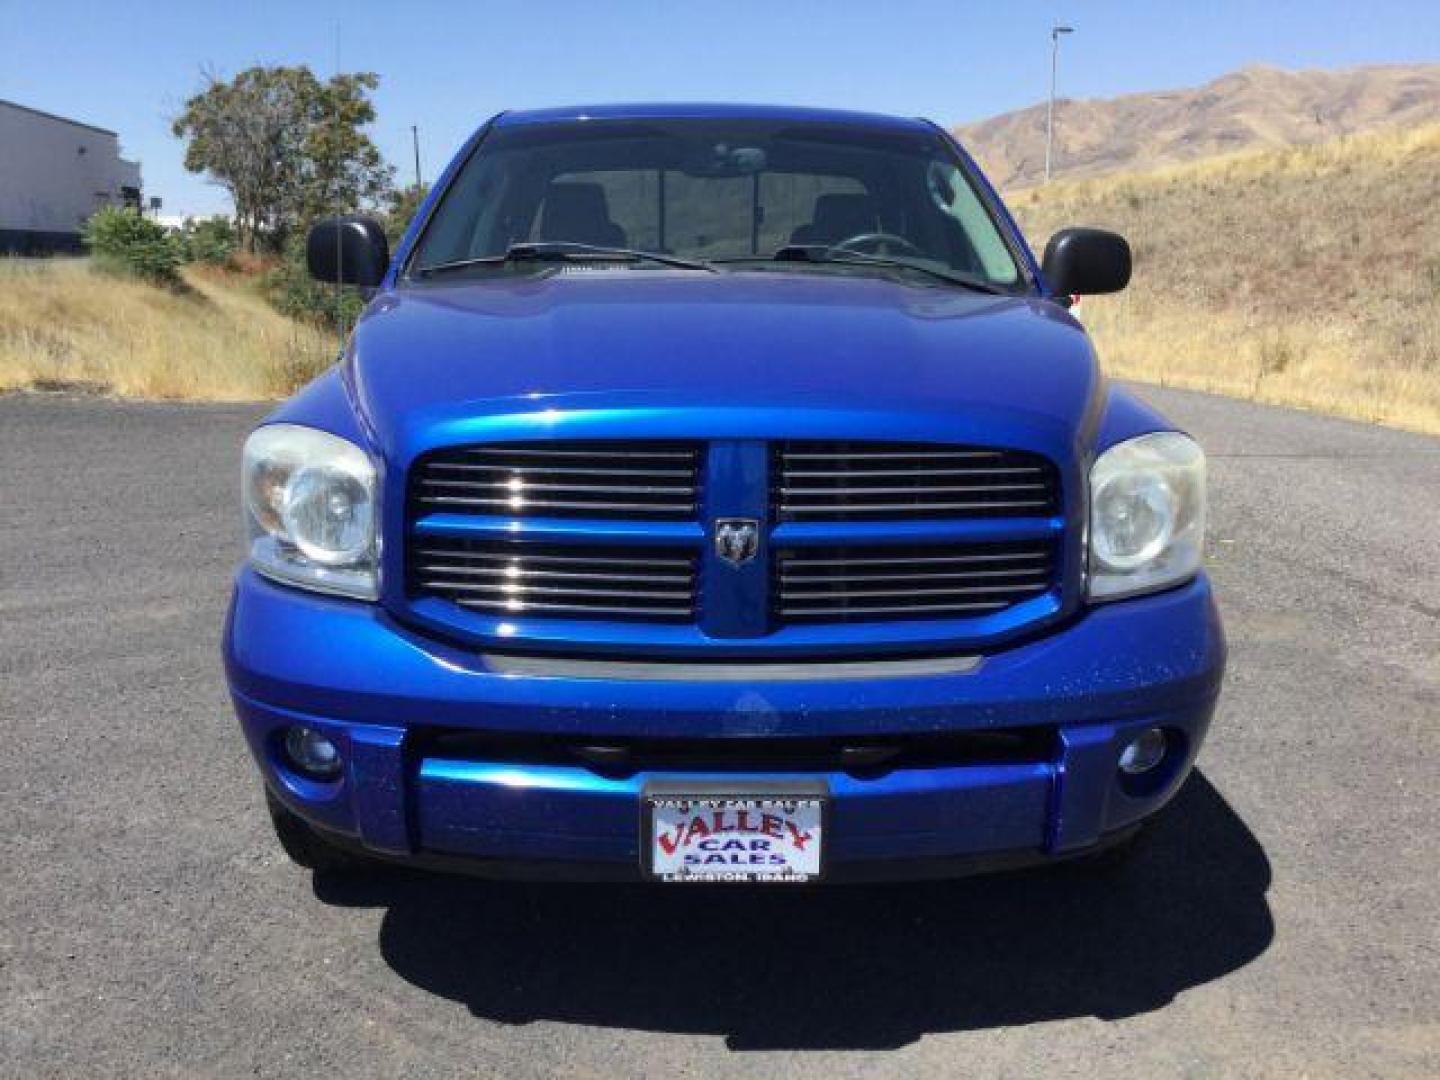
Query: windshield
x,y
730,192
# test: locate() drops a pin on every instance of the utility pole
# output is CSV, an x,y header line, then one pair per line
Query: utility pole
x,y
415,138
1055,32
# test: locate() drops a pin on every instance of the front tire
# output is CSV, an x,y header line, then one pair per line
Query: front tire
x,y
308,848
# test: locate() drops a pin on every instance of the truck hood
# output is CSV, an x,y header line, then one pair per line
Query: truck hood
x,y
752,354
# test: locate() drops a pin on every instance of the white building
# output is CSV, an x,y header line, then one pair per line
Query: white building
x,y
55,173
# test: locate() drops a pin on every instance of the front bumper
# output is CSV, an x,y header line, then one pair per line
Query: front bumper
x,y
352,672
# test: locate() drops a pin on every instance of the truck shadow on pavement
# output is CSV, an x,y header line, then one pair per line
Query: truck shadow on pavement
x,y
853,967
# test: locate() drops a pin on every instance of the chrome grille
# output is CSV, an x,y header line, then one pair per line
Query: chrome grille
x,y
650,480
506,578
847,481
639,517
856,584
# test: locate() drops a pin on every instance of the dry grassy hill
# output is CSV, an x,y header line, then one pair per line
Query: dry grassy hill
x,y
64,325
1308,276
1251,108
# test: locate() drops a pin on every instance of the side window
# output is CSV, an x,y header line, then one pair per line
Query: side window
x,y
954,196
470,220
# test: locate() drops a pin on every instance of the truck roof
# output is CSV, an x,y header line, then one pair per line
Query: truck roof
x,y
707,111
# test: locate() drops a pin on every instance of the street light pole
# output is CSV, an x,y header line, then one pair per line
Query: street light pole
x,y
1055,32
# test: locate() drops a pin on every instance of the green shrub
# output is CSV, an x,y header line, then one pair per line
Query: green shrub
x,y
294,292
127,242
210,241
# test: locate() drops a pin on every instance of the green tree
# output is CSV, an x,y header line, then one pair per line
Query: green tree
x,y
403,204
286,146
341,169
210,240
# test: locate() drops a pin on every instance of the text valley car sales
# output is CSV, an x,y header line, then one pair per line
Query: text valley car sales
x,y
728,839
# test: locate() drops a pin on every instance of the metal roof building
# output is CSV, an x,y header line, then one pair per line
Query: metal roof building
x,y
55,173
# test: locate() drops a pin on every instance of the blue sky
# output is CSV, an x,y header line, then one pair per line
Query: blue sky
x,y
447,66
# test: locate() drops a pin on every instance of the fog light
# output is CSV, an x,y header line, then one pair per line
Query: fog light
x,y
312,753
1145,753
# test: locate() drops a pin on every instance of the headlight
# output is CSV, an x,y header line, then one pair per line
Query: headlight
x,y
1147,515
310,510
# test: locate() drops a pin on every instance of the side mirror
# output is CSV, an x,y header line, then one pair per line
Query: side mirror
x,y
349,250
1086,261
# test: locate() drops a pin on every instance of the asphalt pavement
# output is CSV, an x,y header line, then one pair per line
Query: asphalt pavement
x,y
1284,919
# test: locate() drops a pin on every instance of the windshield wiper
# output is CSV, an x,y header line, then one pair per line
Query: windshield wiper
x,y
565,250
821,253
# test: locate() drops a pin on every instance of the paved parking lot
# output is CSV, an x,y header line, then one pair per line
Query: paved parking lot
x,y
1283,921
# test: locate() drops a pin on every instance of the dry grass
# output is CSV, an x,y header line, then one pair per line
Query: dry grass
x,y
65,325
1306,277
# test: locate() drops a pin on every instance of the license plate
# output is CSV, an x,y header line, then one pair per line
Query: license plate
x,y
715,837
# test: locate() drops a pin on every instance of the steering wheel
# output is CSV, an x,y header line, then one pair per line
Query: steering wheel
x,y
890,243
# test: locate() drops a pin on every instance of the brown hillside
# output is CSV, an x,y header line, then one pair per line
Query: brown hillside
x,y
1303,276
1256,107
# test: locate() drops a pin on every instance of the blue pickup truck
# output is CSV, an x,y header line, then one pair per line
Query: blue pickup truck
x,y
718,494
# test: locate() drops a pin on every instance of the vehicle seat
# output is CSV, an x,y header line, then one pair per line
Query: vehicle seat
x,y
580,214
838,217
